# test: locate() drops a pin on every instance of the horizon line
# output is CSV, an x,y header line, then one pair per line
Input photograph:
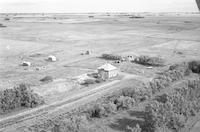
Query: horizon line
x,y
91,12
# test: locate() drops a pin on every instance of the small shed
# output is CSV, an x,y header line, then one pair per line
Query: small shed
x,y
107,71
52,58
87,52
26,63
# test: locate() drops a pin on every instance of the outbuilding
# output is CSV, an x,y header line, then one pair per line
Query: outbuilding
x,y
26,63
52,58
107,71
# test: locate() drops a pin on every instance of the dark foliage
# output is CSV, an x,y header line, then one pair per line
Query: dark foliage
x,y
1,25
173,110
6,19
149,61
194,66
174,73
47,79
21,96
111,57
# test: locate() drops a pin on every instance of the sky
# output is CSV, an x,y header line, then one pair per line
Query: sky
x,y
78,6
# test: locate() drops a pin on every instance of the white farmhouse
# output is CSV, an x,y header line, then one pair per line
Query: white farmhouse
x,y
107,71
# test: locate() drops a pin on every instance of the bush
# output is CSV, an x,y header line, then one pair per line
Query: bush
x,y
77,123
47,79
194,66
21,96
110,108
97,111
99,80
6,19
149,61
89,81
134,129
124,102
176,122
111,57
1,25
162,98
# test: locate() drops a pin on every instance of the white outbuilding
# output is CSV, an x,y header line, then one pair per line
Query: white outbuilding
x,y
52,58
107,71
26,63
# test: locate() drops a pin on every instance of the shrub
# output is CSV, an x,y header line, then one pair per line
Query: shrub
x,y
6,19
110,108
194,66
47,79
101,110
162,98
149,61
134,129
75,123
1,25
89,81
176,122
124,102
97,111
99,80
21,96
111,57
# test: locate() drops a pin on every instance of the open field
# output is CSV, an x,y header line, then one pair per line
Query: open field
x,y
33,37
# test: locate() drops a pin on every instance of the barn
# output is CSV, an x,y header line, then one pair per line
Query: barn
x,y
107,71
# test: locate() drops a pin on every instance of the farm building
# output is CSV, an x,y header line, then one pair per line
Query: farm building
x,y
51,58
107,71
26,63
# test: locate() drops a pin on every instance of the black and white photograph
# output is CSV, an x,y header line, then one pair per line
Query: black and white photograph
x,y
99,65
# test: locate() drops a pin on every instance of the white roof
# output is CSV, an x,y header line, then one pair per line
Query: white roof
x,y
51,56
107,67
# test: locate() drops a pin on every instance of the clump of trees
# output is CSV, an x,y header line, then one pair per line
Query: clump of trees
x,y
111,57
176,108
174,73
194,66
21,96
149,61
119,100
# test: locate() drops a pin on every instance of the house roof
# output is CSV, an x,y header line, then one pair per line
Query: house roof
x,y
107,67
51,56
